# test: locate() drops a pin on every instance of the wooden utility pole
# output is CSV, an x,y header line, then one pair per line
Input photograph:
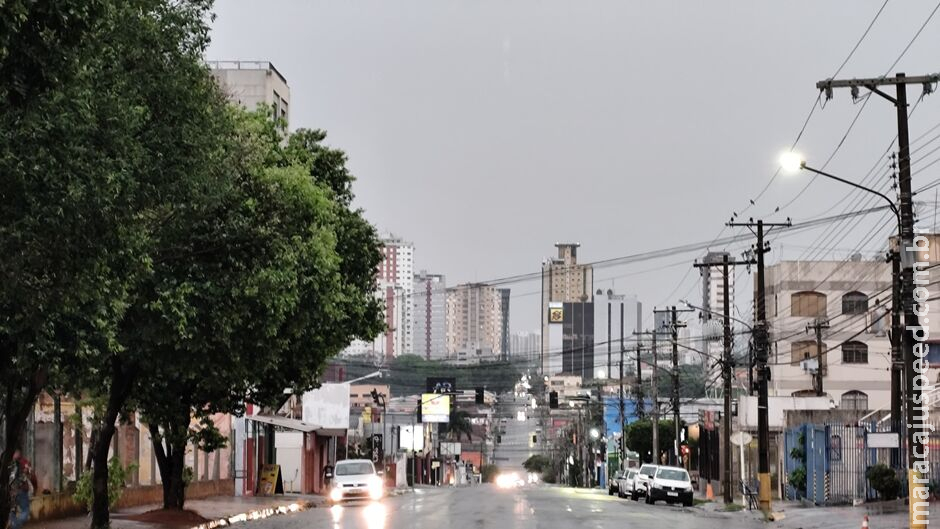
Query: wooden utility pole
x,y
761,347
727,371
817,328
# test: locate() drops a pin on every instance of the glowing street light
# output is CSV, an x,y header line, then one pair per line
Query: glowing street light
x,y
792,162
595,433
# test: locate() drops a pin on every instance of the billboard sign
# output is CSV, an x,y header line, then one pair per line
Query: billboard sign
x,y
441,384
411,437
556,312
450,449
327,406
435,407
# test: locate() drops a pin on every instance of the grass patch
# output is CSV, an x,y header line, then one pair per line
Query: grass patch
x,y
733,507
697,501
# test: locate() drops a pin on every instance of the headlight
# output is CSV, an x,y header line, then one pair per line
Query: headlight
x,y
376,487
336,494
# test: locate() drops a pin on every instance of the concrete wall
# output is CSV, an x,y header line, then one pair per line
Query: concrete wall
x,y
61,505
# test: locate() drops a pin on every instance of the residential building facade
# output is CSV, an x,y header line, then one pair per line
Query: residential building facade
x,y
474,323
430,316
253,83
852,300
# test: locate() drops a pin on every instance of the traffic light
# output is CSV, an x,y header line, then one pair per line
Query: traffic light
x,y
499,439
534,439
553,400
419,411
479,396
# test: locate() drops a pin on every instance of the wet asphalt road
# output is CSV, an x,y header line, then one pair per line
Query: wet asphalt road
x,y
485,506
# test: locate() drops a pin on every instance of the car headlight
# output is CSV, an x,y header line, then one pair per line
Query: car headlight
x,y
336,494
376,487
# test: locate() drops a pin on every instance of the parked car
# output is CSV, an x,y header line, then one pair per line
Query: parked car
x,y
643,476
613,484
356,478
625,483
670,484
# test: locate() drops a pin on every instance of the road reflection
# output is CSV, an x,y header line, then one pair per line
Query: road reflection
x,y
374,514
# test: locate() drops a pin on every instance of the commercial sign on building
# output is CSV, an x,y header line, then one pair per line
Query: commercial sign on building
x,y
327,406
435,407
411,437
556,312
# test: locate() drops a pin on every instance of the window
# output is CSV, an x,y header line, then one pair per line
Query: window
x,y
854,353
811,304
854,400
806,350
804,393
854,303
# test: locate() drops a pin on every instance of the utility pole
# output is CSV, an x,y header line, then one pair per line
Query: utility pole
x,y
622,415
897,357
818,327
908,253
639,381
761,347
654,391
675,325
727,370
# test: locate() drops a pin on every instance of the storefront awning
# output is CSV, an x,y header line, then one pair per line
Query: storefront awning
x,y
284,422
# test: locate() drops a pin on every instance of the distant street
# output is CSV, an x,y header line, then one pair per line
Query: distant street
x,y
516,440
542,507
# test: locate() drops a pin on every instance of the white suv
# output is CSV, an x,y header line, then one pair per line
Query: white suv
x,y
670,484
640,482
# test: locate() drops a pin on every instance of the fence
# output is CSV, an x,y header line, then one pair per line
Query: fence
x,y
835,458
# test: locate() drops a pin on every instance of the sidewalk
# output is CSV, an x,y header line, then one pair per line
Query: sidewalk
x,y
210,509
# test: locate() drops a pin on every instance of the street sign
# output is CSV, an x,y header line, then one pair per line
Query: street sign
x,y
882,440
741,438
450,449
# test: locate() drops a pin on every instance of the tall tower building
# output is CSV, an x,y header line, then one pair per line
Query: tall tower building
x,y
474,323
504,322
430,316
396,281
713,294
253,83
567,314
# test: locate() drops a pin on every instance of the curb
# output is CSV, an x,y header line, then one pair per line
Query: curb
x,y
258,514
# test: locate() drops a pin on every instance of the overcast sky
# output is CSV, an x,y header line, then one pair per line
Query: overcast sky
x,y
486,131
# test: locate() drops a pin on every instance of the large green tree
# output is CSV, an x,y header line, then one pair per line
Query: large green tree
x,y
69,239
269,282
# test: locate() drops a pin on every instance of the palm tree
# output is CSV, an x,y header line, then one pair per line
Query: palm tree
x,y
459,425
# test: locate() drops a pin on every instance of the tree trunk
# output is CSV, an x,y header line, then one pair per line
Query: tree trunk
x,y
170,452
16,407
121,384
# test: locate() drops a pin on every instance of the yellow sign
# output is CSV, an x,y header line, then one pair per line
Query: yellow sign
x,y
270,481
435,407
367,415
556,315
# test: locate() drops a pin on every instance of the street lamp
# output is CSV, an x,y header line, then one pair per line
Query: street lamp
x,y
703,309
595,433
792,162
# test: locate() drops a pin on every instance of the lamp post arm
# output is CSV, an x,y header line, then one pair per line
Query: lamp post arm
x,y
890,202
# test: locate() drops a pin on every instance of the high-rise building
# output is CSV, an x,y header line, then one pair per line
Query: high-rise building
x,y
394,287
524,346
567,314
713,292
474,323
253,83
396,280
504,322
430,316
616,318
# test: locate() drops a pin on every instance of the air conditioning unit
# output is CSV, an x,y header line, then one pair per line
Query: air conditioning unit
x,y
809,365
